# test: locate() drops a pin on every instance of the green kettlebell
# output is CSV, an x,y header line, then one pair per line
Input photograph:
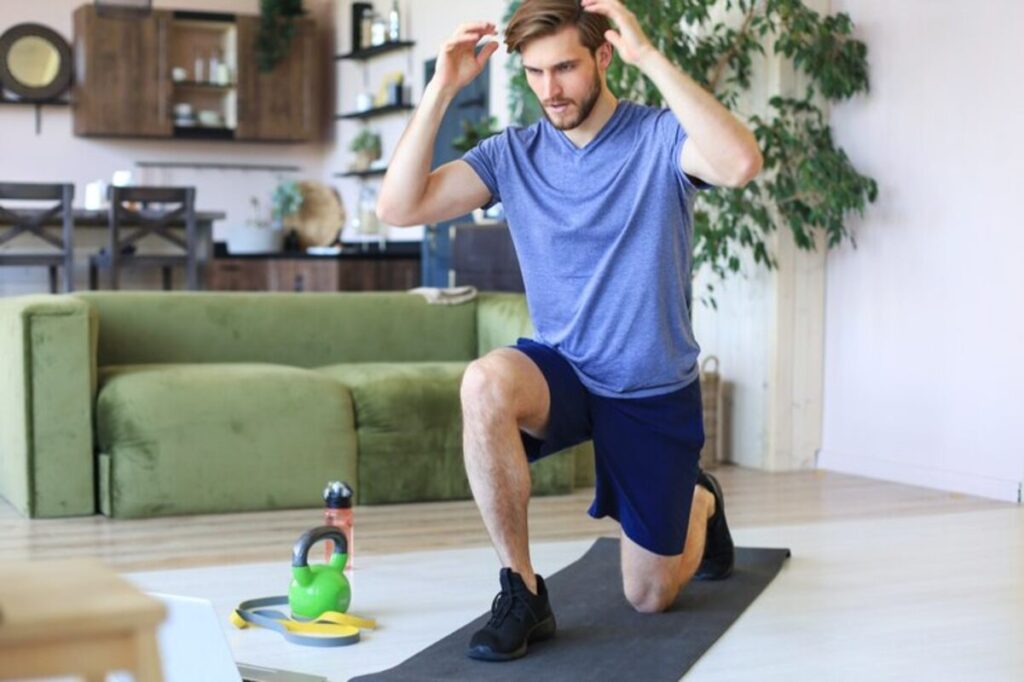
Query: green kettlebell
x,y
323,587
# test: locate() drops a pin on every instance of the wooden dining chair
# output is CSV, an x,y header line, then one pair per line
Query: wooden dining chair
x,y
133,217
17,221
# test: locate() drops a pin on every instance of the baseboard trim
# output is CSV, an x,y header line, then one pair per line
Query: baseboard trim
x,y
927,477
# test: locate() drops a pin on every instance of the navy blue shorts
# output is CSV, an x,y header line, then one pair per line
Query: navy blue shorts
x,y
646,450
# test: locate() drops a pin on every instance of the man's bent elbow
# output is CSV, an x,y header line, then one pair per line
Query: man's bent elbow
x,y
749,170
390,215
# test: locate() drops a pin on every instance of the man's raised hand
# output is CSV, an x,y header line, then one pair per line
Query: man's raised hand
x,y
457,61
629,40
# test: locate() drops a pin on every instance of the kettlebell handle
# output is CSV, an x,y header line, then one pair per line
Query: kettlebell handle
x,y
300,552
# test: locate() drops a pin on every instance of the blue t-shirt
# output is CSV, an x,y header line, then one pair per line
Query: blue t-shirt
x,y
604,237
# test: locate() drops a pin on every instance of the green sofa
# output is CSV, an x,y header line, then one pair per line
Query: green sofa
x,y
146,404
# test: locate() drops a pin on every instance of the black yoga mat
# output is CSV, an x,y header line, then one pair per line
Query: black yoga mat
x,y
600,636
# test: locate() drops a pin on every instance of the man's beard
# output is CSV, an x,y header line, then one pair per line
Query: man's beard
x,y
586,106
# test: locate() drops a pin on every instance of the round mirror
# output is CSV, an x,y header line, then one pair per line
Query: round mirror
x,y
35,62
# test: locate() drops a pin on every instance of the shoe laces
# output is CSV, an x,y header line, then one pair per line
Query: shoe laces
x,y
506,603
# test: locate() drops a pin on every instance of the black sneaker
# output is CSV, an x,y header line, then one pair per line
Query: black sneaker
x,y
719,551
517,618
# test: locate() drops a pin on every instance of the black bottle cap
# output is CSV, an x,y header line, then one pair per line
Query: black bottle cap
x,y
338,495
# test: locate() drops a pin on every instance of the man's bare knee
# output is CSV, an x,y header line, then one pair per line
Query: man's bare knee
x,y
650,581
506,384
651,595
488,386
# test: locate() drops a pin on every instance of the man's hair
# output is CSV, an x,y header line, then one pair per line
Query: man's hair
x,y
540,18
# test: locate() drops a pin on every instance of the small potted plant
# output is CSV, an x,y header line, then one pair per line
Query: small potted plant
x,y
285,202
258,234
366,147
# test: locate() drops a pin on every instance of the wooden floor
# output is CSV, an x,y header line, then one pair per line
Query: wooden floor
x,y
754,499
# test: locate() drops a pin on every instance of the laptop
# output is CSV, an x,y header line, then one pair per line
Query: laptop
x,y
193,647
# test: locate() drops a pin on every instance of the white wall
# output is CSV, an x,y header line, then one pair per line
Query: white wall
x,y
767,329
924,330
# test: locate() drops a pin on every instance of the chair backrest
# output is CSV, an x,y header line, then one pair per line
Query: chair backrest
x,y
35,191
18,221
177,205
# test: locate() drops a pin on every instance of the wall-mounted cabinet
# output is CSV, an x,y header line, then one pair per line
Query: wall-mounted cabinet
x,y
122,81
282,104
190,75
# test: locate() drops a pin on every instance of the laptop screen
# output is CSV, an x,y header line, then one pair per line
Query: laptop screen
x,y
192,644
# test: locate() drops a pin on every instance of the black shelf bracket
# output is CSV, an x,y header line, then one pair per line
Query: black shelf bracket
x,y
38,106
378,111
377,50
372,172
202,165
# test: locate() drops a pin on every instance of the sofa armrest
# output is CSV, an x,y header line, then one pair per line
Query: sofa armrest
x,y
47,375
501,318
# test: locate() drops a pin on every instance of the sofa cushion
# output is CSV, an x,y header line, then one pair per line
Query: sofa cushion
x,y
408,419
501,318
177,439
301,330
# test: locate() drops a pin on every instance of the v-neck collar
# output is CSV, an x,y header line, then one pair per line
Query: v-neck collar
x,y
606,129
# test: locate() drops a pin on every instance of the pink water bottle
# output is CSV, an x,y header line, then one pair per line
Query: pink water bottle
x,y
338,513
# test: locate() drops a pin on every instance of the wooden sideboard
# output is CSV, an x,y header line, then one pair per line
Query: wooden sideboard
x,y
298,272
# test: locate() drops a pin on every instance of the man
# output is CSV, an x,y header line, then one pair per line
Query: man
x,y
598,200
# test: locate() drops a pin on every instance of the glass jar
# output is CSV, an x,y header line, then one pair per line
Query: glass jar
x,y
368,222
379,30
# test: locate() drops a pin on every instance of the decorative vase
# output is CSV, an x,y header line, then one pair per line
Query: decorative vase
x,y
244,239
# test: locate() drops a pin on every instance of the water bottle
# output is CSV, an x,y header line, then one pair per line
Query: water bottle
x,y
394,23
338,513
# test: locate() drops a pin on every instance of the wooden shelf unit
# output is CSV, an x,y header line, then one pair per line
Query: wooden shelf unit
x,y
192,40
